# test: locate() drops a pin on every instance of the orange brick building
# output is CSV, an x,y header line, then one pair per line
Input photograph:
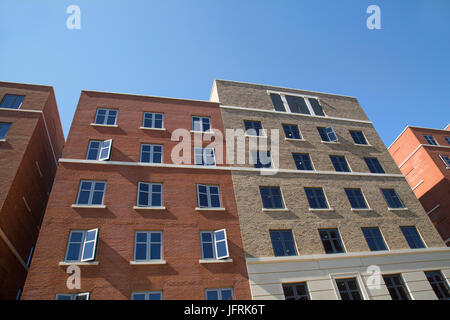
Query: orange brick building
x,y
31,139
138,225
422,155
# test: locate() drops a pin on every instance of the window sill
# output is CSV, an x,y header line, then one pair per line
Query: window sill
x,y
85,206
255,136
215,260
363,145
156,129
210,209
293,139
148,262
322,210
361,209
275,210
202,132
331,142
104,125
398,209
3,140
78,263
149,208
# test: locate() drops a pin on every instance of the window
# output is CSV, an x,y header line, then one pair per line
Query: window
x,y
283,243
327,134
99,150
149,194
331,241
291,131
439,284
208,196
396,287
106,117
413,238
339,163
91,192
82,245
296,291
358,137
153,120
348,289
277,102
151,295
214,244
204,157
430,140
447,139
4,128
261,159
374,239
201,124
374,165
316,198
302,161
12,101
446,160
148,246
317,108
356,198
297,104
73,296
151,153
271,197
253,128
392,198
219,294
30,255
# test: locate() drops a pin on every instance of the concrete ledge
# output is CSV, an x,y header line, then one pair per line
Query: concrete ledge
x,y
210,209
215,260
78,263
156,129
148,262
398,209
85,206
321,210
104,125
275,210
149,208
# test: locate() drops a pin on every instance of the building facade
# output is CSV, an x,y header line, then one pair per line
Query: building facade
x,y
134,219
324,211
423,156
31,140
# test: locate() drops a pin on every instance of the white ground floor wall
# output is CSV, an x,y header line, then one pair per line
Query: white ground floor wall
x,y
267,274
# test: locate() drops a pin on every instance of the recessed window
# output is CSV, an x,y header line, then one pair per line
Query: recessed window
x,y
151,153
106,117
374,239
261,159
412,236
277,102
358,137
327,134
214,244
4,128
446,160
392,198
374,165
331,241
271,197
201,124
439,284
302,161
204,157
153,120
447,139
149,194
316,198
151,295
349,289
82,245
317,108
148,246
430,140
219,294
12,101
208,196
91,192
99,150
396,287
291,131
340,164
297,104
283,243
356,198
73,296
296,291
253,128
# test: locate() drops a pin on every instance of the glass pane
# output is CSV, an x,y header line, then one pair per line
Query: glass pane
x,y
97,197
221,249
143,198
227,294
91,235
83,197
88,250
208,251
141,251
212,295
76,236
141,237
156,199
207,237
138,296
73,252
155,237
155,251
154,296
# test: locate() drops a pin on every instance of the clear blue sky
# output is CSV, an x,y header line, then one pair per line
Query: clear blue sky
x,y
400,74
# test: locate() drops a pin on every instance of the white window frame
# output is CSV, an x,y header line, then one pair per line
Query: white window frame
x,y
148,245
105,122
305,97
105,145
214,244
219,292
152,152
91,193
147,294
364,136
208,196
359,280
83,244
429,136
9,125
73,296
153,120
447,164
150,193
204,156
201,123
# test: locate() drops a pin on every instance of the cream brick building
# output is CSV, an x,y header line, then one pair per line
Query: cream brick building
x,y
382,201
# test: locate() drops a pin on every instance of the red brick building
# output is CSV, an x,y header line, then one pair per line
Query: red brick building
x,y
138,225
31,139
423,156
